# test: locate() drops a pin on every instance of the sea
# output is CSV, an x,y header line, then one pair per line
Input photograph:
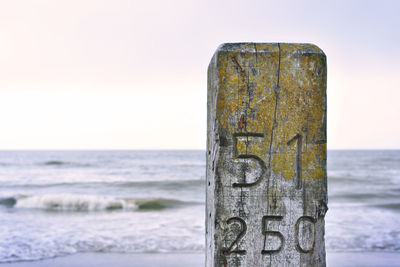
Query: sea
x,y
58,203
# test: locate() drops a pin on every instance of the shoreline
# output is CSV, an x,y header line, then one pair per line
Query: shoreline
x,y
117,260
334,259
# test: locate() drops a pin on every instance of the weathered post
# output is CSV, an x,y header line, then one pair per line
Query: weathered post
x,y
266,156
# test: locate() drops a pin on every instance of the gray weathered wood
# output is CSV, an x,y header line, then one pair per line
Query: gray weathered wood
x,y
266,156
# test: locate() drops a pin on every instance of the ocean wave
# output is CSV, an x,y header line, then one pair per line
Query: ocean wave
x,y
54,162
390,206
165,184
343,179
364,197
28,248
73,202
8,201
60,163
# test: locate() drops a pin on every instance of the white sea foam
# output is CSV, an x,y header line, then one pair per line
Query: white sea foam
x,y
72,202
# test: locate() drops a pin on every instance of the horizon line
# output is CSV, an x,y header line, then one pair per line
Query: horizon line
x,y
168,149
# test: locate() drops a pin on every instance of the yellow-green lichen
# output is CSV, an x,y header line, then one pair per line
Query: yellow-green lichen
x,y
277,93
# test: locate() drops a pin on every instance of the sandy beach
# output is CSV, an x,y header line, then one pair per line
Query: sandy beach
x,y
334,259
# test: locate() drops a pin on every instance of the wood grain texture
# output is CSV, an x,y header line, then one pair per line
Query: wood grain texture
x,y
266,156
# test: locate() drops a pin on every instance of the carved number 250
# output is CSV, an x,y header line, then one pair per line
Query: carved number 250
x,y
233,247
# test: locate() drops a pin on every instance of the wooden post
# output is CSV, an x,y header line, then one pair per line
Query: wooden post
x,y
266,156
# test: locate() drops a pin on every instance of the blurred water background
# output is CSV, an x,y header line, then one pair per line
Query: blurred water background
x,y
56,203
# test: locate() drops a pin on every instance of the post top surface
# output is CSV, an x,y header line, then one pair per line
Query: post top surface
x,y
269,48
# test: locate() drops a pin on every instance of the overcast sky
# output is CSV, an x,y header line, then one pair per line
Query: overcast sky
x,y
119,74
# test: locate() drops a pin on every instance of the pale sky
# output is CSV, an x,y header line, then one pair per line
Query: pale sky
x,y
119,74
